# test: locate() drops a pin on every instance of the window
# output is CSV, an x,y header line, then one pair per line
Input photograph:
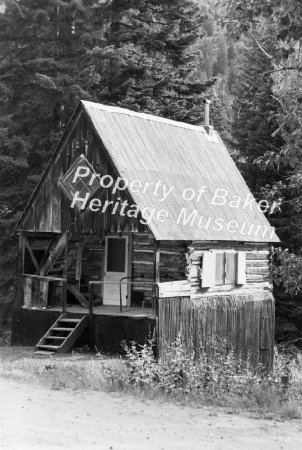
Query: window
x,y
116,254
220,268
81,185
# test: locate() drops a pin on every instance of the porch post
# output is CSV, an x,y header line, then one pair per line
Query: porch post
x,y
157,261
65,268
155,294
20,293
156,276
91,319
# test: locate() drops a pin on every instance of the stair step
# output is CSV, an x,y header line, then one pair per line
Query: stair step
x,y
71,329
56,337
70,320
50,347
61,329
43,353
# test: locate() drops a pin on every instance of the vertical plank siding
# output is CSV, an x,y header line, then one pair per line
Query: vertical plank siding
x,y
246,321
51,211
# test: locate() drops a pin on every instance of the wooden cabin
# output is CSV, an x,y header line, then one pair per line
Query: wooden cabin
x,y
140,223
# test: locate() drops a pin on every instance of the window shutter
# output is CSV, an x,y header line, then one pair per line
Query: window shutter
x,y
208,270
219,269
230,268
241,268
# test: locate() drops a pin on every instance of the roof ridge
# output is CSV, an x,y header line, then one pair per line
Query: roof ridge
x,y
129,112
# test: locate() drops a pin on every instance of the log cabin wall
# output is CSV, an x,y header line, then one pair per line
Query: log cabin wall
x,y
92,259
240,314
256,266
172,263
85,260
172,258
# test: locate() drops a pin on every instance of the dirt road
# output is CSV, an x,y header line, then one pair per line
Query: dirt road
x,y
34,417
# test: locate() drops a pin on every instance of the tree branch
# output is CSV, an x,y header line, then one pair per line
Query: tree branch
x,y
253,37
259,45
299,68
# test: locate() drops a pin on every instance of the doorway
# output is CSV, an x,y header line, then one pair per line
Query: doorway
x,y
116,266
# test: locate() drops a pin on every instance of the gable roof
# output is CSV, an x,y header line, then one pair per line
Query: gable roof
x,y
149,148
185,159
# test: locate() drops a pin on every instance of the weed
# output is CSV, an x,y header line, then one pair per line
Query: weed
x,y
291,410
217,377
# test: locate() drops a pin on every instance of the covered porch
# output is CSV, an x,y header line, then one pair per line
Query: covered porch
x,y
87,271
99,289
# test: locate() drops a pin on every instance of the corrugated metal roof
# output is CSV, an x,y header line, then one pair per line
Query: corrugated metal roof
x,y
151,149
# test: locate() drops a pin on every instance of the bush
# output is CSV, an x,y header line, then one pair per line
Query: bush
x,y
286,270
218,376
215,373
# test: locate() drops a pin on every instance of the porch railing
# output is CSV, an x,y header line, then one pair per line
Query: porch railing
x,y
122,281
36,289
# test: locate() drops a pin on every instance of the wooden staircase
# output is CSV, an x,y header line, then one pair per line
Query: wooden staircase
x,y
74,290
62,335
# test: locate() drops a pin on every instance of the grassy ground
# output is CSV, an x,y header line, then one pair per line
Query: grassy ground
x,y
86,371
76,371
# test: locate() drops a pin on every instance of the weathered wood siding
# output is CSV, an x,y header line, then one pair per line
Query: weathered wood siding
x,y
84,262
143,259
51,212
90,266
39,245
257,264
172,262
92,259
245,321
172,258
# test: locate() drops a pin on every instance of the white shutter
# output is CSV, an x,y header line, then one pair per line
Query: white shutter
x,y
241,268
230,267
219,268
208,270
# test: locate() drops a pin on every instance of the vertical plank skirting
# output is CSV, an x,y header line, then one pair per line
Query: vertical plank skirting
x,y
245,321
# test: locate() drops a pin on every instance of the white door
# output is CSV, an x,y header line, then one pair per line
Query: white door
x,y
115,268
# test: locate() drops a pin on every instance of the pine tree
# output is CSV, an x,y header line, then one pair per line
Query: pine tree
x,y
268,134
43,75
221,64
255,110
150,61
135,54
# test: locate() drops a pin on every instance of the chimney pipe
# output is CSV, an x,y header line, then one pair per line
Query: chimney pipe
x,y
207,125
207,112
